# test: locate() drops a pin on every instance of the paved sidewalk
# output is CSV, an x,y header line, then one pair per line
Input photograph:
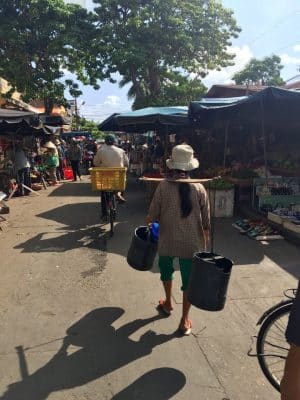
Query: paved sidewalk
x,y
78,323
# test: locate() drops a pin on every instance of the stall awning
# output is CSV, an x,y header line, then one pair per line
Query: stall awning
x,y
110,124
216,102
147,119
55,120
278,107
15,116
74,134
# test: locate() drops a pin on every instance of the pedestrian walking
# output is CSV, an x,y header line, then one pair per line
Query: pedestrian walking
x,y
52,162
75,157
22,167
182,211
61,156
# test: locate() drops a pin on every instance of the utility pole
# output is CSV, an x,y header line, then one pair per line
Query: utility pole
x,y
76,114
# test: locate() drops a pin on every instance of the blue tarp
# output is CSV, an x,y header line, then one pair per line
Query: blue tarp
x,y
216,102
76,134
147,119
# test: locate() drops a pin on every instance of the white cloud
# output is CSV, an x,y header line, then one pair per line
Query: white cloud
x,y
296,48
100,111
243,55
287,60
112,100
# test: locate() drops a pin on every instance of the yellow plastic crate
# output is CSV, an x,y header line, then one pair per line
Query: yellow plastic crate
x,y
113,179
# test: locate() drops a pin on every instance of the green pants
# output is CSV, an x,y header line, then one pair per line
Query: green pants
x,y
165,264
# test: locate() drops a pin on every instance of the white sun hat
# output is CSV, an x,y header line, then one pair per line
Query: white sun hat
x,y
182,158
49,145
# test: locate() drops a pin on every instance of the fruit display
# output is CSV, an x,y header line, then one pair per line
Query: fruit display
x,y
281,191
219,184
217,171
244,173
286,163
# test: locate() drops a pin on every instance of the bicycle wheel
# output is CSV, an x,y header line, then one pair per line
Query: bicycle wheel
x,y
111,221
271,345
112,212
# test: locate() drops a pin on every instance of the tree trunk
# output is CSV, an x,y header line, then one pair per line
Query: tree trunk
x,y
48,104
154,80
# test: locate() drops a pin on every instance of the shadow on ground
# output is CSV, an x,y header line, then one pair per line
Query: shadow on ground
x,y
244,251
82,228
158,384
101,349
73,189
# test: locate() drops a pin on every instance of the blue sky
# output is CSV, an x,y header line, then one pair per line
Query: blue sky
x,y
268,27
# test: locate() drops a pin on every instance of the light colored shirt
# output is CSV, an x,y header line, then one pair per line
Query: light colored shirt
x,y
21,160
178,236
110,156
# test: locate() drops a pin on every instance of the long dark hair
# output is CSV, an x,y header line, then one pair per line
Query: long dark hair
x,y
184,190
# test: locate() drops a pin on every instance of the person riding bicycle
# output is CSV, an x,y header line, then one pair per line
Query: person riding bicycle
x,y
290,384
109,155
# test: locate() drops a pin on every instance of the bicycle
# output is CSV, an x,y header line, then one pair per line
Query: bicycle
x,y
110,181
271,345
111,207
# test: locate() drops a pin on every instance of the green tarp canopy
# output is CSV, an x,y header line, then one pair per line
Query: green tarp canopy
x,y
148,119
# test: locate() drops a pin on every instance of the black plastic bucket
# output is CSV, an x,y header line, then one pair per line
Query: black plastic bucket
x,y
142,251
209,281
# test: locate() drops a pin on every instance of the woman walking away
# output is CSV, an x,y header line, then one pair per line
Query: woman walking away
x,y
182,210
75,156
52,161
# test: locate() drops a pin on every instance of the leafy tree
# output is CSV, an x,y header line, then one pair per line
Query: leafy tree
x,y
176,89
262,72
39,40
90,126
150,39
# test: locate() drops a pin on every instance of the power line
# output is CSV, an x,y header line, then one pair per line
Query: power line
x,y
275,25
286,47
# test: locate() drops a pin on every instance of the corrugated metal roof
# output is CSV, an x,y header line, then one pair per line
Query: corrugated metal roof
x,y
233,90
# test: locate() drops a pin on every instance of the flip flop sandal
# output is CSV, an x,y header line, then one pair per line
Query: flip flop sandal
x,y
162,307
186,331
254,233
240,222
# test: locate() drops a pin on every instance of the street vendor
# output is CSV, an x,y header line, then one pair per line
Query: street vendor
x,y
52,161
18,156
182,211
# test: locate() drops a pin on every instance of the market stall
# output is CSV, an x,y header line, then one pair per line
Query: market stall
x,y
20,137
161,124
254,139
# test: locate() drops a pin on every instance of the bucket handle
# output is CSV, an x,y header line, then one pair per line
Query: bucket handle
x,y
212,211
